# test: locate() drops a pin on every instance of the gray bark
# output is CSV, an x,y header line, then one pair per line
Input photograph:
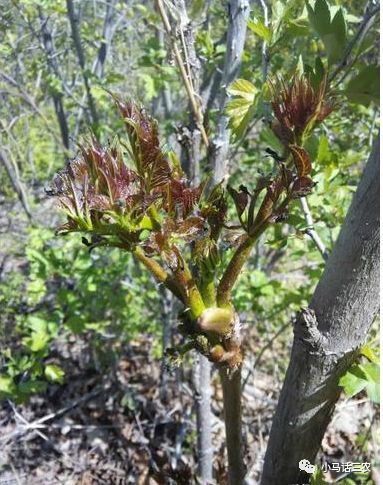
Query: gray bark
x,y
204,420
107,35
73,20
327,336
16,183
98,67
232,392
238,13
54,68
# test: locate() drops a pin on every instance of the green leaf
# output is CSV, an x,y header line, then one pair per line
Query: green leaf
x,y
317,477
362,376
243,88
7,386
323,154
372,372
241,109
364,87
54,373
32,387
38,341
354,381
260,29
319,17
338,26
335,40
368,352
268,137
332,32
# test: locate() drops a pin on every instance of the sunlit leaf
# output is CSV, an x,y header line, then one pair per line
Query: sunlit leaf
x,y
54,373
259,28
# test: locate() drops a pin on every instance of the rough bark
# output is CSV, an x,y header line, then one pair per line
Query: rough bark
x,y
327,336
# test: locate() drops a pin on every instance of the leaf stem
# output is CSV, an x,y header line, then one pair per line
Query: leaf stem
x,y
233,270
160,274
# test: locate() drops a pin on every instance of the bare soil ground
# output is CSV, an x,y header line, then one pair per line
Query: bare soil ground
x,y
119,427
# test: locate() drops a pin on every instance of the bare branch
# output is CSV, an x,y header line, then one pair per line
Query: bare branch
x,y
265,54
310,231
81,58
16,183
238,13
194,101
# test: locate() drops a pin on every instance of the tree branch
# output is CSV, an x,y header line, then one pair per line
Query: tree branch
x,y
194,102
160,274
15,181
238,13
356,41
81,58
310,231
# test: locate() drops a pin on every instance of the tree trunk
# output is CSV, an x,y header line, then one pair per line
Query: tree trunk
x,y
232,392
327,336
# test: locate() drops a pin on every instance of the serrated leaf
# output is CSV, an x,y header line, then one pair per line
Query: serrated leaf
x,y
38,341
364,87
260,29
332,32
243,88
240,110
301,160
54,373
237,107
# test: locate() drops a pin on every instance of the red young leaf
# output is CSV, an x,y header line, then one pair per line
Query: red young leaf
x,y
302,186
240,198
301,160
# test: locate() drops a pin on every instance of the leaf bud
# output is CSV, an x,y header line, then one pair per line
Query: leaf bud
x,y
216,320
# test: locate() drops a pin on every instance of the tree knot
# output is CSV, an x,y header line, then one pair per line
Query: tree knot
x,y
306,330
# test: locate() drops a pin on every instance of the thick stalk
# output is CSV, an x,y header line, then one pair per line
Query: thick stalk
x,y
160,274
233,270
231,387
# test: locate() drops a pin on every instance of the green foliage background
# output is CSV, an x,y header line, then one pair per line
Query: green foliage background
x,y
55,291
